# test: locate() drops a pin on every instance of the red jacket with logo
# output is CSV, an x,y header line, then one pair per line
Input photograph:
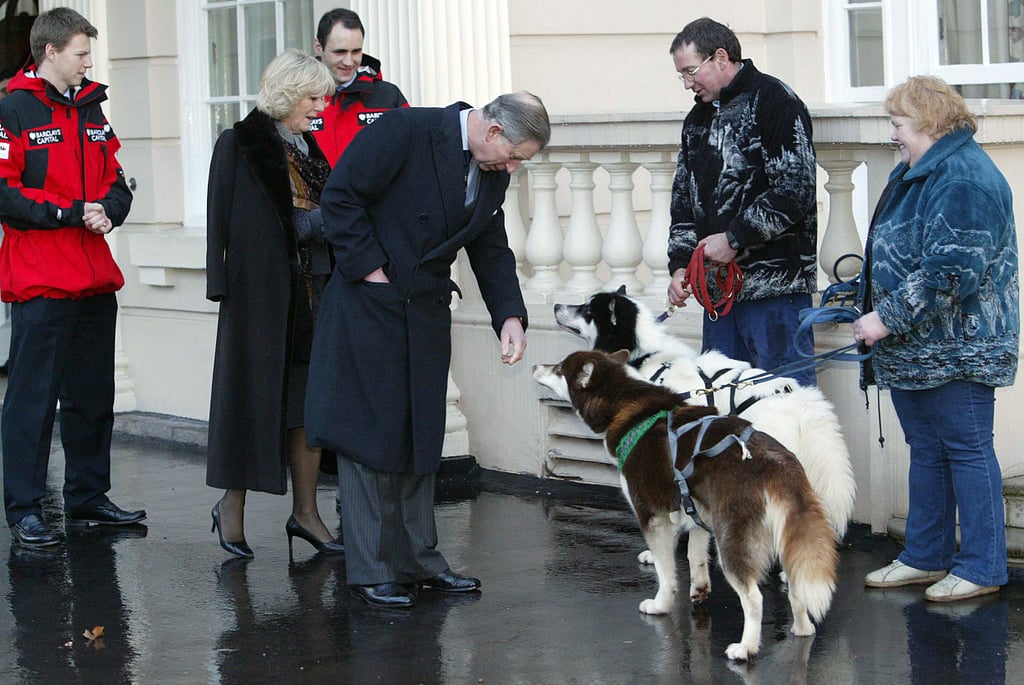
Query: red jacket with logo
x,y
351,109
56,154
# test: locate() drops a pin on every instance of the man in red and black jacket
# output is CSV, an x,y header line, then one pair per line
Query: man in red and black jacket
x,y
361,95
61,191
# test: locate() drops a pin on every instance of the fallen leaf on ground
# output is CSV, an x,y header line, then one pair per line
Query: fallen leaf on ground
x,y
94,634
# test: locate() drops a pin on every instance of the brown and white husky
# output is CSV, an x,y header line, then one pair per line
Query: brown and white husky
x,y
754,496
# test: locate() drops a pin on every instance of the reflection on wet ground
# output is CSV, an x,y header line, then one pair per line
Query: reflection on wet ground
x,y
559,603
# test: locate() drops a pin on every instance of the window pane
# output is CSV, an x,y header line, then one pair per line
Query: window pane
x,y
223,116
260,42
1006,31
867,61
959,32
223,52
298,25
1013,91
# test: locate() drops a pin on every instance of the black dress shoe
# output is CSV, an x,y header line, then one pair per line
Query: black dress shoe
x,y
106,514
32,531
390,595
446,581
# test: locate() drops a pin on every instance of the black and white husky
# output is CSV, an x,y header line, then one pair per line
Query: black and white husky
x,y
799,417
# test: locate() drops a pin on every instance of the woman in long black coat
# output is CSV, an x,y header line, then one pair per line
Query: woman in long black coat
x,y
267,263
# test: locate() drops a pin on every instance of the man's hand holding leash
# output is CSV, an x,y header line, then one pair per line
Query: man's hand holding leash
x,y
678,289
717,248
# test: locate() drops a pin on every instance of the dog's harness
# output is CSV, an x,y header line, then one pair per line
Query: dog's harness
x,y
709,389
683,498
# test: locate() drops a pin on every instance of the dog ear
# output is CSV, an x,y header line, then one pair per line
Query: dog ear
x,y
621,290
621,356
585,374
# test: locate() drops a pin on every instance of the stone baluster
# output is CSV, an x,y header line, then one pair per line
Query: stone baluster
x,y
582,237
515,226
841,237
622,243
544,241
662,171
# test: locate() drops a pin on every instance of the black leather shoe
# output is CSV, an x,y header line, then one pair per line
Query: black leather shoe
x,y
106,514
390,595
447,581
32,531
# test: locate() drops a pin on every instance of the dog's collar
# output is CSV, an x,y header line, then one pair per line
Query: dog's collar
x,y
630,439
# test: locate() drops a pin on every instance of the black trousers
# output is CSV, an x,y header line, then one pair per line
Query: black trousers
x,y
62,350
388,523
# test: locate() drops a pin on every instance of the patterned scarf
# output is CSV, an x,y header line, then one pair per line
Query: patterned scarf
x,y
308,176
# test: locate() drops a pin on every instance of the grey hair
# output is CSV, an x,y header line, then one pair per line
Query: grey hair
x,y
522,117
288,78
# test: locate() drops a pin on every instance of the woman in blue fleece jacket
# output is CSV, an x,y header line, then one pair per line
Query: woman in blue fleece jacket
x,y
941,313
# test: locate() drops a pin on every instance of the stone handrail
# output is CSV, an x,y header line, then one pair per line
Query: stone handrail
x,y
565,243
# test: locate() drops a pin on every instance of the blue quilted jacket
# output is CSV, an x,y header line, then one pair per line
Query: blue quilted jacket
x,y
943,271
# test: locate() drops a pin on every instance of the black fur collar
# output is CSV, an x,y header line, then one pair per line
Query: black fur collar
x,y
264,152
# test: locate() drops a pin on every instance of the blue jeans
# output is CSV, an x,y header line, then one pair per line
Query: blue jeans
x,y
761,332
953,465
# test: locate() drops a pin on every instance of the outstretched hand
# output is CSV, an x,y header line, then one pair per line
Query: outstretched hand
x,y
513,340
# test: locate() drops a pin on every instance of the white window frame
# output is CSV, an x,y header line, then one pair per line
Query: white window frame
x,y
968,74
910,41
196,137
899,33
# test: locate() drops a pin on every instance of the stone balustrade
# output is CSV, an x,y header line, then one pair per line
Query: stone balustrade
x,y
592,211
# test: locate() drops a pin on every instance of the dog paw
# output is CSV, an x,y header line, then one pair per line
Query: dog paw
x,y
645,557
739,651
699,593
802,626
652,607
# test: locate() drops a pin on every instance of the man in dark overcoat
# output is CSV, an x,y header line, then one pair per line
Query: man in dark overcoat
x,y
408,193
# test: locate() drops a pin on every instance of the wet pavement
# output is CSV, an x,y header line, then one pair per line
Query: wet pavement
x,y
561,587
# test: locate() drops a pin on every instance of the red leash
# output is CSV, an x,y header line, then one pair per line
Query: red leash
x,y
728,278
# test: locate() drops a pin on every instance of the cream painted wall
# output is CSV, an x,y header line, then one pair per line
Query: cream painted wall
x,y
590,56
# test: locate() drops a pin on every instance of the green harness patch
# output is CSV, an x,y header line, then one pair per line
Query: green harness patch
x,y
630,439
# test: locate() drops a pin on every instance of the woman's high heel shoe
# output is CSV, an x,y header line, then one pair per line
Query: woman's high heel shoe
x,y
240,548
292,528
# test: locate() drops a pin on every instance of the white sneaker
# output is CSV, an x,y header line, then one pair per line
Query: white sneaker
x,y
952,588
897,573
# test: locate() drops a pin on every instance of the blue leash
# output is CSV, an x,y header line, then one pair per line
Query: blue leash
x,y
843,295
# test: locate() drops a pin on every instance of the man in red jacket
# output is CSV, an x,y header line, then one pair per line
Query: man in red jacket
x,y
360,97
362,94
61,191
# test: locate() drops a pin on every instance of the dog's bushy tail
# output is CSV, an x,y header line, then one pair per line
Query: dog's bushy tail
x,y
825,458
808,554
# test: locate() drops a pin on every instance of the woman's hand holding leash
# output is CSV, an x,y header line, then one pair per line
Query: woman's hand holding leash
x,y
869,329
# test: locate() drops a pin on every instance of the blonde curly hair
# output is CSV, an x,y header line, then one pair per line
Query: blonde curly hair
x,y
288,78
932,106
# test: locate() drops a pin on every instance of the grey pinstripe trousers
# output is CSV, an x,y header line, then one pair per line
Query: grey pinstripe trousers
x,y
388,523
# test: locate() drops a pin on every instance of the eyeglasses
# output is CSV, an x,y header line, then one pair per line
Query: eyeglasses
x,y
690,75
